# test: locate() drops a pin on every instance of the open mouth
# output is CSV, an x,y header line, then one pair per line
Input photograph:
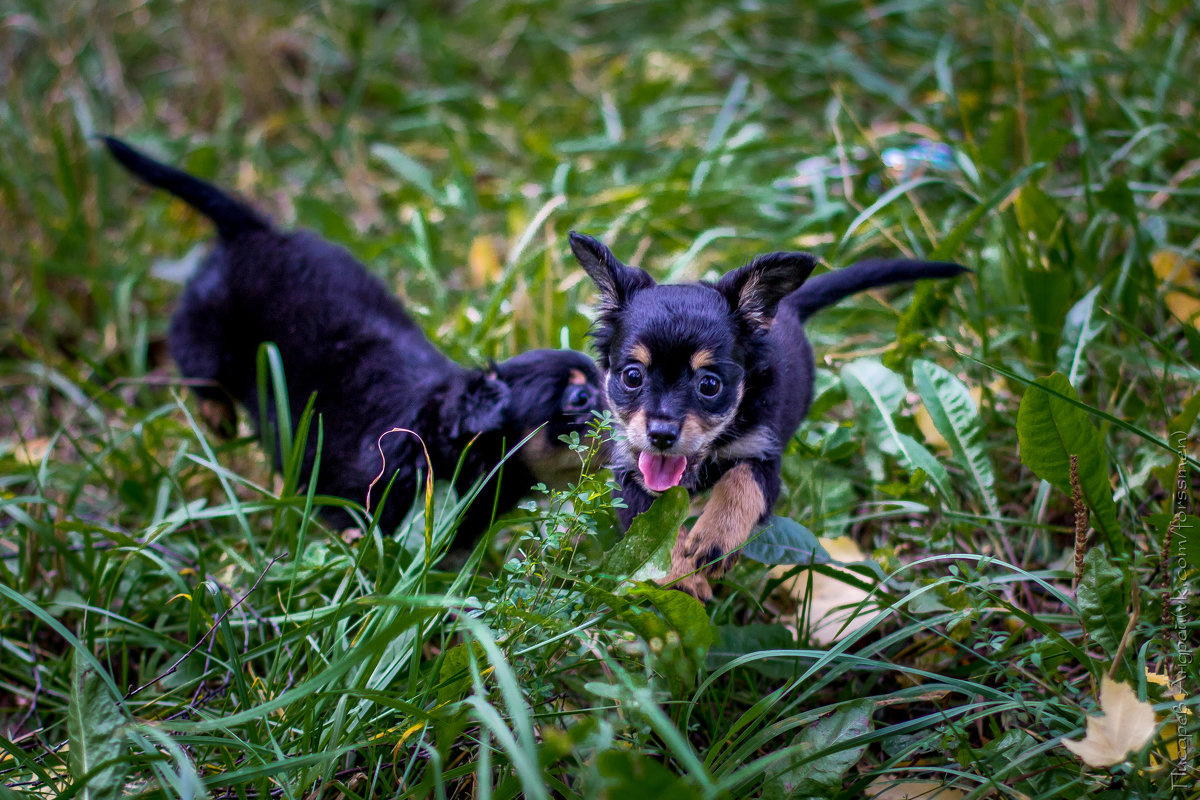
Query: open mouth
x,y
660,472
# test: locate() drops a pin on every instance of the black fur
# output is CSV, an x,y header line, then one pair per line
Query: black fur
x,y
342,336
745,335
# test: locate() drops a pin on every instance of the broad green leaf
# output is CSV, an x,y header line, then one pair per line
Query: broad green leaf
x,y
735,641
685,614
785,541
1050,430
1037,213
871,384
1181,423
454,676
956,417
822,775
627,773
874,387
915,455
1117,198
650,532
1078,332
94,732
679,635
1101,600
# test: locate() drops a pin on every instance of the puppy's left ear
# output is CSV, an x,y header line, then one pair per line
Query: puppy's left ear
x,y
754,291
483,407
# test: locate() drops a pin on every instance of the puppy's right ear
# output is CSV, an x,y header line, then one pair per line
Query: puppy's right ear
x,y
616,281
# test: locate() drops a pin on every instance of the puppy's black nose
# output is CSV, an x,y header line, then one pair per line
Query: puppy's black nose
x,y
662,433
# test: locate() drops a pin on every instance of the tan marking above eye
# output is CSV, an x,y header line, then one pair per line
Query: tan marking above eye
x,y
639,352
576,378
702,358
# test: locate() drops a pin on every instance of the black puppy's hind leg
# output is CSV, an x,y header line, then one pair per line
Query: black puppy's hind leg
x,y
197,340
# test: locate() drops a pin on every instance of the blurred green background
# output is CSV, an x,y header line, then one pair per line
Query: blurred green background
x,y
1051,147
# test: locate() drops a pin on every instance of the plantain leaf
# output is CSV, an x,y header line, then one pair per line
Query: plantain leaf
x,y
94,732
1101,600
873,386
785,541
1050,430
956,417
822,776
626,773
735,641
651,533
679,635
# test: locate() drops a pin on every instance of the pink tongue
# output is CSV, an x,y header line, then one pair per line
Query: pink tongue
x,y
661,472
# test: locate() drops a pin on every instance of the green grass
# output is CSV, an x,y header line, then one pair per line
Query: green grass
x,y
175,620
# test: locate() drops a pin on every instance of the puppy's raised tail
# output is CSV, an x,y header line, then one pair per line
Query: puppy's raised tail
x,y
231,216
829,288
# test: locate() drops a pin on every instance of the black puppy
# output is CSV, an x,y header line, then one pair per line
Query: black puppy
x,y
343,336
708,382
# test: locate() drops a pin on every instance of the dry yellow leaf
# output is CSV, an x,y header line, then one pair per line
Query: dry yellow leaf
x,y
1127,724
1171,267
483,262
835,609
887,787
31,451
933,437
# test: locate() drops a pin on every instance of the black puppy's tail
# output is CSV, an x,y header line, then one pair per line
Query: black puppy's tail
x,y
830,287
231,217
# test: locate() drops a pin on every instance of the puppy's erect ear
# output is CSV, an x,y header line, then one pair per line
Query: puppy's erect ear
x,y
616,281
754,291
482,407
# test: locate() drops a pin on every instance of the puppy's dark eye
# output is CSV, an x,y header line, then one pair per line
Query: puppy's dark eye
x,y
709,385
632,376
577,398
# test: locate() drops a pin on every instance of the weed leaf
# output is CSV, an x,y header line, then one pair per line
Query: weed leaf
x,y
1078,332
785,541
735,641
821,776
630,774
956,417
651,531
1101,600
872,386
94,723
1050,430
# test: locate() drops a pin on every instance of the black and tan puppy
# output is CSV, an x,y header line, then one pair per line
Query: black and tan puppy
x,y
343,336
708,382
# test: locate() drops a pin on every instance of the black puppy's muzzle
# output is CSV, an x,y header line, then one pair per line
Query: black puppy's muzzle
x,y
662,433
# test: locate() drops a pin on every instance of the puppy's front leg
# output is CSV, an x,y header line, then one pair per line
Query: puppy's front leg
x,y
740,500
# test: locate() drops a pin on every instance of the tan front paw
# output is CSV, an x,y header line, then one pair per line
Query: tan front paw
x,y
683,575
695,585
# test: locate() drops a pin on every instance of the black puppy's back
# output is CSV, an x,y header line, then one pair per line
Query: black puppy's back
x,y
793,356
